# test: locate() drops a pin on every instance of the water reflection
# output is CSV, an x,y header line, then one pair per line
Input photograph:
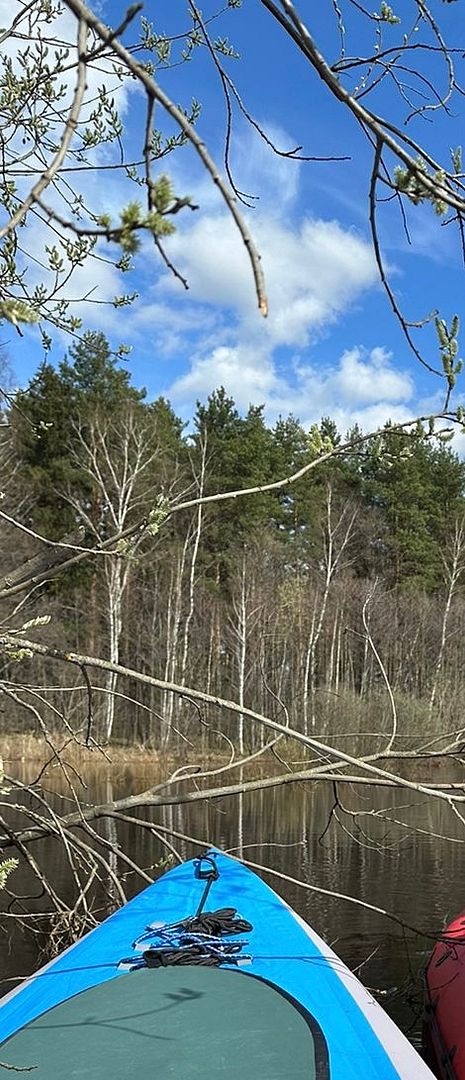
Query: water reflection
x,y
407,859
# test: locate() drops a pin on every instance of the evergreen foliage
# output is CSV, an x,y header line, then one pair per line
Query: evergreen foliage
x,y
408,487
240,454
94,377
417,487
41,431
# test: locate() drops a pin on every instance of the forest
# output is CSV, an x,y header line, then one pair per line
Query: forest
x,y
334,605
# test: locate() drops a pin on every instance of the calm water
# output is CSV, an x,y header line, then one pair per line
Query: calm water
x,y
409,861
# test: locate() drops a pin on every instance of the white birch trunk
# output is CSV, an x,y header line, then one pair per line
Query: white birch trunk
x,y
193,566
454,570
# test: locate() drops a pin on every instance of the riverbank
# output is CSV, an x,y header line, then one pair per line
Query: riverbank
x,y
47,752
31,749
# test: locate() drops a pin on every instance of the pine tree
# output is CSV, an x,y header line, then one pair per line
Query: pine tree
x,y
44,421
303,506
94,377
415,487
40,425
240,454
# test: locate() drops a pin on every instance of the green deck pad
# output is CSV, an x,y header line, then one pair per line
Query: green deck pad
x,y
189,1023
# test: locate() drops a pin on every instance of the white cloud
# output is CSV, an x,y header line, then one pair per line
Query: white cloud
x,y
369,379
313,272
359,379
309,392
316,271
247,376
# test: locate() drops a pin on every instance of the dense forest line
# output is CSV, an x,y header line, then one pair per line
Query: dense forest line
x,y
336,603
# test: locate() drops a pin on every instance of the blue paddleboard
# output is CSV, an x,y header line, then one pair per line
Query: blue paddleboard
x,y
141,996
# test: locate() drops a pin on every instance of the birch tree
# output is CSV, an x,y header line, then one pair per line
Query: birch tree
x,y
243,622
454,567
338,531
120,457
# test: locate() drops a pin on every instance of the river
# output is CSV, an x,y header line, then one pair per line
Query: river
x,y
392,849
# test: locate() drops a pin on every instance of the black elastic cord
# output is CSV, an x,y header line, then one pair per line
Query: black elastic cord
x,y
224,921
201,955
210,875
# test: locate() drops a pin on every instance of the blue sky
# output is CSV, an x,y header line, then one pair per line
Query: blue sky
x,y
330,345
